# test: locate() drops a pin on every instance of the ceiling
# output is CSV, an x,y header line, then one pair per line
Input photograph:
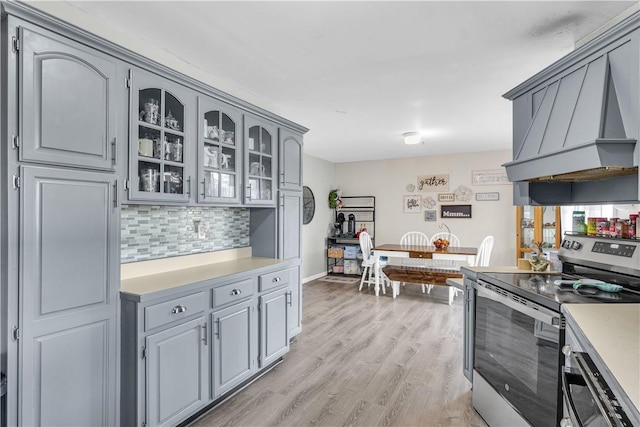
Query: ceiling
x,y
360,74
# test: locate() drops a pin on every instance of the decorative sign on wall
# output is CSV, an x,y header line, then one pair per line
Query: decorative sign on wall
x,y
463,194
412,204
433,182
489,177
487,196
446,197
455,211
430,215
428,202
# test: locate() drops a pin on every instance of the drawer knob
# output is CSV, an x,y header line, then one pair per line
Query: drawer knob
x,y
178,309
236,292
276,279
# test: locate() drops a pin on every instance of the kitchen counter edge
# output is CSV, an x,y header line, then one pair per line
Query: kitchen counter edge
x,y
152,286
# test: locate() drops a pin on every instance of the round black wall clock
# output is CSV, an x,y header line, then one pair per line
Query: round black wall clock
x,y
308,205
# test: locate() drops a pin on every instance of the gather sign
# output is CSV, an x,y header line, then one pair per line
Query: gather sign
x,y
433,182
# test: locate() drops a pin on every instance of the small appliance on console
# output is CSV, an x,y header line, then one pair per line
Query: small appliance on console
x,y
520,331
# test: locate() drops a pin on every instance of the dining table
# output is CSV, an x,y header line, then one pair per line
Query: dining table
x,y
462,255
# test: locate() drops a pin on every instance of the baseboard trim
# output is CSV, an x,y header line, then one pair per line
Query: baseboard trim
x,y
314,277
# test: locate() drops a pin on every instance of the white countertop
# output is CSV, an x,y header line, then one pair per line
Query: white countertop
x,y
614,332
152,283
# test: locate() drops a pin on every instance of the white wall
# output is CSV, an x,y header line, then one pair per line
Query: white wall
x,y
319,176
387,181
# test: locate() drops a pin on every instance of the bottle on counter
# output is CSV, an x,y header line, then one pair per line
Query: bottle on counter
x,y
613,231
633,220
579,226
592,228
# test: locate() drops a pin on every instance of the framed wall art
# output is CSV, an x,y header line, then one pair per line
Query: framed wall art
x,y
455,211
492,196
411,204
446,197
489,177
430,215
433,182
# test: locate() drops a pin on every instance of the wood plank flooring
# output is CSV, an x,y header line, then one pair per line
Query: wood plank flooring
x,y
363,360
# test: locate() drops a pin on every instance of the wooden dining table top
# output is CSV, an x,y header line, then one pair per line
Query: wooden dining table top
x,y
419,251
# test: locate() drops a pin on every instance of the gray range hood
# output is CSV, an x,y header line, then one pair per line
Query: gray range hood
x,y
577,126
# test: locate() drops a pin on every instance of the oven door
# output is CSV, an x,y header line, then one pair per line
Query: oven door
x,y
517,351
588,401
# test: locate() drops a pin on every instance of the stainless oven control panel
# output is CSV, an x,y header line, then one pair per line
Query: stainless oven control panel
x,y
602,252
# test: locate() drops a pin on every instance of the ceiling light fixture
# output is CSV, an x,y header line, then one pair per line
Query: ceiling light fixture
x,y
411,138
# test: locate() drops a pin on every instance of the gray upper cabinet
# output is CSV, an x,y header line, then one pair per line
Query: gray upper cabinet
x,y
234,332
274,325
290,162
68,292
162,139
260,166
219,152
67,102
177,373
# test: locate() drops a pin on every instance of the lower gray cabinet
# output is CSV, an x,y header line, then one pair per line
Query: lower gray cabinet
x,y
234,345
469,328
295,302
177,372
274,325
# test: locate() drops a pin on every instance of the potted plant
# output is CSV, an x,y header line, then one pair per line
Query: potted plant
x,y
333,199
537,262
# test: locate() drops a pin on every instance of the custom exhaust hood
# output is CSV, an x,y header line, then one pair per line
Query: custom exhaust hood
x,y
576,125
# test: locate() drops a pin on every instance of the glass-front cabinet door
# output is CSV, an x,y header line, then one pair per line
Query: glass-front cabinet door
x,y
534,224
219,155
260,161
161,139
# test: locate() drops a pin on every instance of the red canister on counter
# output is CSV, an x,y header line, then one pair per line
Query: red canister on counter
x,y
612,227
633,221
592,225
602,227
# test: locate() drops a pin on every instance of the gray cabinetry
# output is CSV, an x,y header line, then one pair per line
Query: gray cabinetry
x,y
289,247
177,371
68,292
234,345
290,160
469,315
67,102
219,152
274,325
260,165
162,139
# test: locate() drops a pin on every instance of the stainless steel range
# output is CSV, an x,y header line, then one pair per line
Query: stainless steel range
x,y
519,330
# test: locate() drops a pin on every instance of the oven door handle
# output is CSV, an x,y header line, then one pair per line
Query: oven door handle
x,y
568,398
539,313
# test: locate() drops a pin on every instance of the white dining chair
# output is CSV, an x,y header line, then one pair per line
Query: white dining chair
x,y
416,238
368,264
482,260
452,238
484,252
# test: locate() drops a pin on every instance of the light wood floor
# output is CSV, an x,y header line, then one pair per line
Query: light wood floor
x,y
363,360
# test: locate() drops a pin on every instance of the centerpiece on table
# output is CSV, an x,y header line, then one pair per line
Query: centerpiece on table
x,y
537,262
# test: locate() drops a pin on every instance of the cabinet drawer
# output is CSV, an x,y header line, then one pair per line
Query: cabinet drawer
x,y
174,310
274,280
233,292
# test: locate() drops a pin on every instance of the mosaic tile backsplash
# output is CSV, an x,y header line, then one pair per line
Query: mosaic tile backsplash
x,y
150,232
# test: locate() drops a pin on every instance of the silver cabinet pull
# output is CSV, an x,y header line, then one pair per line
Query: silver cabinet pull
x,y
204,327
236,292
276,279
290,295
178,309
204,189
